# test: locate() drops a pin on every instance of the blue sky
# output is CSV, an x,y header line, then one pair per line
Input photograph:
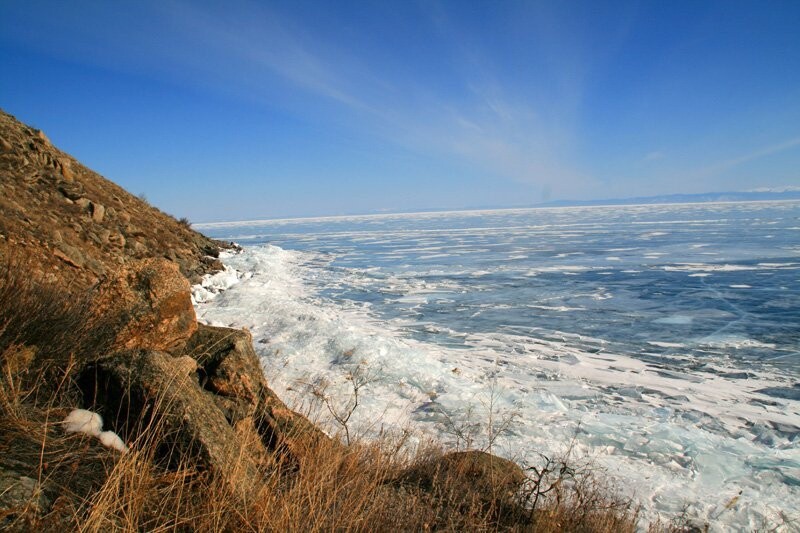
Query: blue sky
x,y
233,110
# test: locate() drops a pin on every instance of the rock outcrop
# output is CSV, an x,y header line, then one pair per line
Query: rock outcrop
x,y
142,388
150,306
202,384
230,369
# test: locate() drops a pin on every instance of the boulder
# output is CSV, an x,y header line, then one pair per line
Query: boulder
x,y
83,203
71,190
69,254
140,390
20,495
98,212
42,137
149,305
231,370
66,169
467,475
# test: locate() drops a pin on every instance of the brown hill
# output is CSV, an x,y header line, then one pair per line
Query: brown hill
x,y
73,224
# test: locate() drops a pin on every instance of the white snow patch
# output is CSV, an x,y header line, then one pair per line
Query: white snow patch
x,y
665,344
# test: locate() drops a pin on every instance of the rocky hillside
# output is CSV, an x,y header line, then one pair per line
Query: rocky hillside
x,y
124,338
75,225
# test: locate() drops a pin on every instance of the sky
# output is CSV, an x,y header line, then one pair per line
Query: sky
x,y
233,110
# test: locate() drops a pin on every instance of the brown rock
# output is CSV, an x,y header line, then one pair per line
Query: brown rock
x,y
95,266
139,248
83,203
165,389
69,254
116,239
98,212
66,170
73,191
151,304
42,137
5,146
232,371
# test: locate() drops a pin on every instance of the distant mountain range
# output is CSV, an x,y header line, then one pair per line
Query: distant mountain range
x,y
783,193
754,195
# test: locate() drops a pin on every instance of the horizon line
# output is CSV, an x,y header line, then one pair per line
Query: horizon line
x,y
222,224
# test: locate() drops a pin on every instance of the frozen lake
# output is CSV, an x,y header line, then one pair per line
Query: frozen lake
x,y
665,340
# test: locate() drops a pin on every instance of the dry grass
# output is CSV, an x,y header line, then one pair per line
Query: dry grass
x,y
332,488
364,486
46,328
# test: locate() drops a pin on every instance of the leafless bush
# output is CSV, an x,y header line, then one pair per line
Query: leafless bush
x,y
483,427
358,377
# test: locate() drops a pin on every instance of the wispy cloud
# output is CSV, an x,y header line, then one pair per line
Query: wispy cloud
x,y
484,126
486,118
728,164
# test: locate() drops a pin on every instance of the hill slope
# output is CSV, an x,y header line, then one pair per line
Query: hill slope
x,y
73,224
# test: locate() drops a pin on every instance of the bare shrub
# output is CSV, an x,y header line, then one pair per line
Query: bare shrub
x,y
480,428
341,410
